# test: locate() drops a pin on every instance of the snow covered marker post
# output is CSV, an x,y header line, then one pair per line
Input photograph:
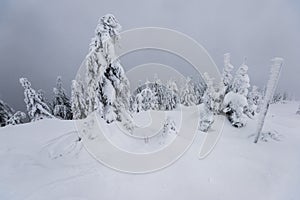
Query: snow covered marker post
x,y
271,87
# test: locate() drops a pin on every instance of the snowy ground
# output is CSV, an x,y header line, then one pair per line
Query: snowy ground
x,y
41,161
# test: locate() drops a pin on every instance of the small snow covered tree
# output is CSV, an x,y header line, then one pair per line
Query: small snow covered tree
x,y
298,111
187,93
254,98
211,96
61,103
169,126
159,91
241,81
199,89
235,106
78,102
206,117
6,112
207,107
271,86
36,108
226,75
108,87
17,118
277,98
172,95
145,100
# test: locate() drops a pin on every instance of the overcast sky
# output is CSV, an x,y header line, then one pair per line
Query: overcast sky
x,y
43,39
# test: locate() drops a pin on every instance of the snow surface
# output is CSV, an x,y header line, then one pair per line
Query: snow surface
x,y
42,161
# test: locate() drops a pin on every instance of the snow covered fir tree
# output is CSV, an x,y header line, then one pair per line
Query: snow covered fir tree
x,y
78,101
107,85
187,93
36,108
61,103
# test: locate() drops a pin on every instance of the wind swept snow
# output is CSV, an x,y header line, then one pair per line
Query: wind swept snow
x,y
45,160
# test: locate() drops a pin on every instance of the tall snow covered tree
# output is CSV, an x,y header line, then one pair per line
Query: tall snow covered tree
x,y
61,102
187,96
108,87
78,102
36,108
6,112
241,81
271,87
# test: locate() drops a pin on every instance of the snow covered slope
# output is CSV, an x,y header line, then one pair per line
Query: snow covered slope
x,y
43,160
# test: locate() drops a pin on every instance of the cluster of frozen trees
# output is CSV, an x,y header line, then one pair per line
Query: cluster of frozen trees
x,y
230,97
155,96
37,105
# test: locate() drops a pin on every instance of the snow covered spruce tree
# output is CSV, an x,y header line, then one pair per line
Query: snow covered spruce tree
x,y
17,118
36,108
78,102
241,82
145,100
172,95
199,89
213,94
61,103
271,87
158,90
107,85
6,112
226,75
187,96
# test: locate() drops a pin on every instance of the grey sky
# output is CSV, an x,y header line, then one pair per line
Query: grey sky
x,y
43,39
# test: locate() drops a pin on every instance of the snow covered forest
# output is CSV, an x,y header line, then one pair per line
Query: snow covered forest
x,y
105,89
252,112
